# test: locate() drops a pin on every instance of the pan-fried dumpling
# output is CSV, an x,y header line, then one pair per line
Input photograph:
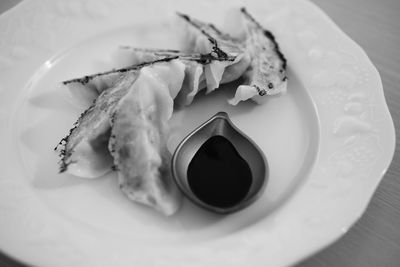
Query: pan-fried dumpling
x,y
84,151
126,130
267,72
258,58
138,137
203,38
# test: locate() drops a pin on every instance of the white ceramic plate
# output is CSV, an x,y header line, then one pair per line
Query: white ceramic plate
x,y
329,140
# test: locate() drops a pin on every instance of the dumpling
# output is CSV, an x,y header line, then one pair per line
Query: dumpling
x,y
84,151
126,130
267,72
138,138
204,38
258,58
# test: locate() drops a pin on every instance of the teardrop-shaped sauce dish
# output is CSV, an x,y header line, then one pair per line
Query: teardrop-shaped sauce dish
x,y
218,167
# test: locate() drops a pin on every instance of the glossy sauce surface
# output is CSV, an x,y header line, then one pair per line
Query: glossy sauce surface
x,y
218,175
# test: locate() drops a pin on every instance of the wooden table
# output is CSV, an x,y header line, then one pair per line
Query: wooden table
x,y
375,239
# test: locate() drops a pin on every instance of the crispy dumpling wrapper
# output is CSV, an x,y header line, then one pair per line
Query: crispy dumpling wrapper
x,y
266,74
258,57
83,151
204,37
85,90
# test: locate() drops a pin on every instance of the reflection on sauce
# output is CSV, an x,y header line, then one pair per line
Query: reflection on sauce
x,y
218,175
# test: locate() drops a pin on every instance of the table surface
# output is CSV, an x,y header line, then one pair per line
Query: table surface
x,y
375,239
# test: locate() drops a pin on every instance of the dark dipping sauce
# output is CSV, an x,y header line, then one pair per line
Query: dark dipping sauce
x,y
218,175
